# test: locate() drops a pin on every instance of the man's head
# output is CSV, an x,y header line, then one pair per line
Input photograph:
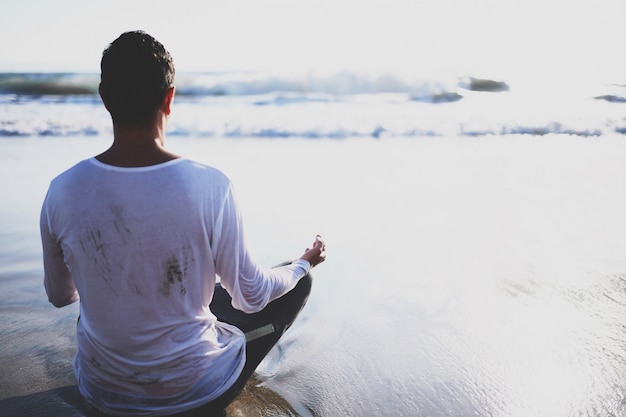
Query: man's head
x,y
137,71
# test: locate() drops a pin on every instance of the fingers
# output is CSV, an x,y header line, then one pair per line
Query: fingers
x,y
319,242
317,253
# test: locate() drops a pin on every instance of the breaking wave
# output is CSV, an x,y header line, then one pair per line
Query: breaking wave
x,y
253,83
334,106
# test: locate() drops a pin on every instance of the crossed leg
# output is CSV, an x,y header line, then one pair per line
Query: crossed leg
x,y
262,329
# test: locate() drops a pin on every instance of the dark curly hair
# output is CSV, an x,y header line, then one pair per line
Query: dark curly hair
x,y
137,71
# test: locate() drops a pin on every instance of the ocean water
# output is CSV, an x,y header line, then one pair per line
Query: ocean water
x,y
475,238
327,105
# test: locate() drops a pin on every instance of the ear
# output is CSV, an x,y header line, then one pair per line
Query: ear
x,y
168,101
102,97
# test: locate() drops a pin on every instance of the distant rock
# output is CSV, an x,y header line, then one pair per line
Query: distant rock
x,y
491,86
444,97
611,98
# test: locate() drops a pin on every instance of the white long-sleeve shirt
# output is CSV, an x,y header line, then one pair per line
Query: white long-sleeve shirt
x,y
142,247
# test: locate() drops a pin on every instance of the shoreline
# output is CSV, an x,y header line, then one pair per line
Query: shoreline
x,y
458,256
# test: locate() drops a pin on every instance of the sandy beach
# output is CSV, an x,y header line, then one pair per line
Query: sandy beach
x,y
465,276
465,162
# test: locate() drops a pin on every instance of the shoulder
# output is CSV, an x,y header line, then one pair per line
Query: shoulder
x,y
66,185
74,173
205,172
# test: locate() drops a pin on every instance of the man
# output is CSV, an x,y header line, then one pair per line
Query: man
x,y
140,234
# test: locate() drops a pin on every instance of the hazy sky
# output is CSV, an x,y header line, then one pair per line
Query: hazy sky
x,y
415,35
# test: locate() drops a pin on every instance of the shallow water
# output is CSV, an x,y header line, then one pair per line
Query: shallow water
x,y
465,276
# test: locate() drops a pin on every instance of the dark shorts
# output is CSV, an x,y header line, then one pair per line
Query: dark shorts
x,y
262,329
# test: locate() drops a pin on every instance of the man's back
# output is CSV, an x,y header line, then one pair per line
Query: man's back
x,y
139,243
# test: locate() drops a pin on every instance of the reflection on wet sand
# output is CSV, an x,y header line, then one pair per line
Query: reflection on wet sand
x,y
256,400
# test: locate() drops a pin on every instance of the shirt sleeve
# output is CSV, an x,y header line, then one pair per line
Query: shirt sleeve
x,y
57,279
250,286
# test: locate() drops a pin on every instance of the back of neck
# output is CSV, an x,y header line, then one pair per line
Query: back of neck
x,y
136,147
